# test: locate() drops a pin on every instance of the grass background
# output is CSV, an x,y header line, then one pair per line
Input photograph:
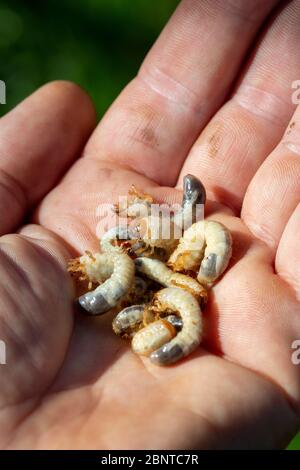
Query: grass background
x,y
98,44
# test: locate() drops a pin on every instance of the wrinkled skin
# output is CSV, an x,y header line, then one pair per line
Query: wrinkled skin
x,y
69,382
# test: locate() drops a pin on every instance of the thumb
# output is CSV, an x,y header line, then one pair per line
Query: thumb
x,y
36,319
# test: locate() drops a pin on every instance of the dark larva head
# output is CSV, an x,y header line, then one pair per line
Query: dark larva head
x,y
167,354
81,308
93,304
193,191
208,266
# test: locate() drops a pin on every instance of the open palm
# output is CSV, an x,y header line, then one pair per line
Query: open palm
x,y
68,381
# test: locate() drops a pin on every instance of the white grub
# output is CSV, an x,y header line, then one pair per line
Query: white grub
x,y
217,254
131,319
97,268
189,252
128,320
159,272
109,241
152,337
206,245
116,287
184,304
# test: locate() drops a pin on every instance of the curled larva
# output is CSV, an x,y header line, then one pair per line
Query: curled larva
x,y
217,254
97,267
107,295
93,268
189,252
206,246
188,339
152,337
132,318
128,320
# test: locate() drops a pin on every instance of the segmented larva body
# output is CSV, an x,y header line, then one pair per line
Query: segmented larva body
x,y
109,241
188,339
132,318
108,294
152,337
159,272
189,252
217,254
97,268
155,335
128,320
207,246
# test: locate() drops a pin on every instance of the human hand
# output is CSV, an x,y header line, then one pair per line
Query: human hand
x,y
70,383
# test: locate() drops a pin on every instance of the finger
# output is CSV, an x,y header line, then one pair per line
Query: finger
x,y
182,82
36,319
246,129
40,138
287,260
274,191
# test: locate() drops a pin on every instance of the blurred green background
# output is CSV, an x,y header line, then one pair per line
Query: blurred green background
x,y
98,44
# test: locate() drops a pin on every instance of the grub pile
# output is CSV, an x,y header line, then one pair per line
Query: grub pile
x,y
156,284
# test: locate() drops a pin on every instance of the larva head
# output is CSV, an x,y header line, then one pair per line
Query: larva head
x,y
193,191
